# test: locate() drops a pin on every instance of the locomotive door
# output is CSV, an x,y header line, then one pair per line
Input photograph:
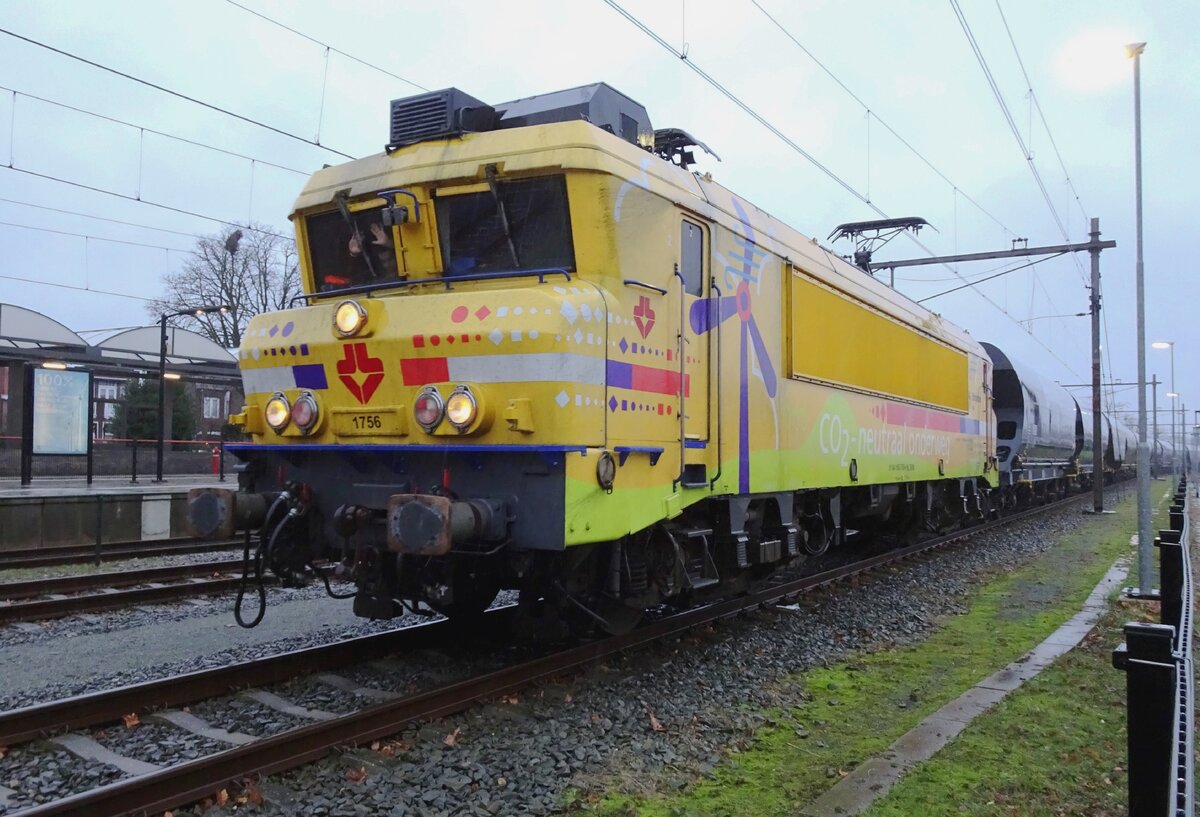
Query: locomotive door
x,y
694,394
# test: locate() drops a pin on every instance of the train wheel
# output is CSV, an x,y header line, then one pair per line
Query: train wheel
x,y
814,535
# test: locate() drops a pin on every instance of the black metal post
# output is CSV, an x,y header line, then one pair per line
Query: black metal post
x,y
1148,663
91,413
27,427
133,464
99,527
1170,576
162,394
222,461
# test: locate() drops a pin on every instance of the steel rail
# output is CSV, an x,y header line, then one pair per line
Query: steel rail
x,y
40,609
109,551
118,578
188,782
29,723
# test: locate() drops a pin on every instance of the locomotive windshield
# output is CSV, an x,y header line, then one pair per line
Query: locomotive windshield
x,y
349,249
524,225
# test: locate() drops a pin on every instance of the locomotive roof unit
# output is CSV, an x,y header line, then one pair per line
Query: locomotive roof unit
x,y
451,112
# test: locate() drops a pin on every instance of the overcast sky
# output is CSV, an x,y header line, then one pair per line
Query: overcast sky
x,y
873,71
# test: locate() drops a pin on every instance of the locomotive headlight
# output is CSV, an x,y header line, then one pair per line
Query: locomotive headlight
x,y
349,318
305,412
428,408
461,408
278,412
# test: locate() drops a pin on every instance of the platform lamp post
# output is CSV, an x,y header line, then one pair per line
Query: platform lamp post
x,y
1174,395
1145,536
199,312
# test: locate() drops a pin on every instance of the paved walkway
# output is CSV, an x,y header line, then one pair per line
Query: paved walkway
x,y
870,781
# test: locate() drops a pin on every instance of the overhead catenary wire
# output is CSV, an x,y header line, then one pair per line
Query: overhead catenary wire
x,y
1037,106
1062,164
1012,123
209,105
147,202
62,211
91,237
990,277
326,46
164,134
874,114
760,119
76,288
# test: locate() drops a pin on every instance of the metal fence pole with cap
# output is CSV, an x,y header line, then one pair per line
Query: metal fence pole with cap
x,y
1158,667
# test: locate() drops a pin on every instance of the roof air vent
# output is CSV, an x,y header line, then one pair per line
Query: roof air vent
x,y
437,115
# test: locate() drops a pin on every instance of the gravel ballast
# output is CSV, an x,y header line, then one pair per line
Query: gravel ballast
x,y
38,774
658,717
665,715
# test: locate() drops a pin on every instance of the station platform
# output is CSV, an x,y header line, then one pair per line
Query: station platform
x,y
43,487
63,511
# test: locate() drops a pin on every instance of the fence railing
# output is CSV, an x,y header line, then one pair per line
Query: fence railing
x,y
1157,662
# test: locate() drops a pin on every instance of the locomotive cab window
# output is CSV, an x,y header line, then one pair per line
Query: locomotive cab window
x,y
691,257
351,249
522,225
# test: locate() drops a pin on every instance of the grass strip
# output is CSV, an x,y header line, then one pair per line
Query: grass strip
x,y
1056,746
856,709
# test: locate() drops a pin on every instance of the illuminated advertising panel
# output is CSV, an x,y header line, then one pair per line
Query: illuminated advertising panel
x,y
60,411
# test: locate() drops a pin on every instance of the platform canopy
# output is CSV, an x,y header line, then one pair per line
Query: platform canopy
x,y
22,328
31,337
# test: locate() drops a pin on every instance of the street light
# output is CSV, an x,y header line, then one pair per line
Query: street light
x,y
163,377
1145,556
1170,344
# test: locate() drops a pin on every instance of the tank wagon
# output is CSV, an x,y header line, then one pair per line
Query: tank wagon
x,y
535,351
1040,435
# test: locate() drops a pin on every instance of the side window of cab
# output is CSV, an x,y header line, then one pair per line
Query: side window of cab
x,y
691,257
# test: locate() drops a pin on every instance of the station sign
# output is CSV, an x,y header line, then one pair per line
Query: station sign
x,y
61,424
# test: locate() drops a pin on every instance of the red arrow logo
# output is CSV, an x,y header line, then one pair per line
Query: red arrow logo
x,y
643,316
358,361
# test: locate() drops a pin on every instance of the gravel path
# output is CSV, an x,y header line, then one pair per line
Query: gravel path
x,y
663,716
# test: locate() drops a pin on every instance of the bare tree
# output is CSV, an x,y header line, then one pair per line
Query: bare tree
x,y
250,269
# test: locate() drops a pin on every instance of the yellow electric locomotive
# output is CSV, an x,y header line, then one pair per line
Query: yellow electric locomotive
x,y
536,351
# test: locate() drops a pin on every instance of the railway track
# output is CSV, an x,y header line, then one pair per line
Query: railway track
x,y
109,551
41,599
187,782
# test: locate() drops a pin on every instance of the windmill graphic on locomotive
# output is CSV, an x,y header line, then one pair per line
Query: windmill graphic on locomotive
x,y
537,352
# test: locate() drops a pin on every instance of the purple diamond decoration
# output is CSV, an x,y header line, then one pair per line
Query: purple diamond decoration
x,y
612,404
287,328
623,345
274,330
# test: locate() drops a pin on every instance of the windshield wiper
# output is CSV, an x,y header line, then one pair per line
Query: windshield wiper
x,y
491,180
339,198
